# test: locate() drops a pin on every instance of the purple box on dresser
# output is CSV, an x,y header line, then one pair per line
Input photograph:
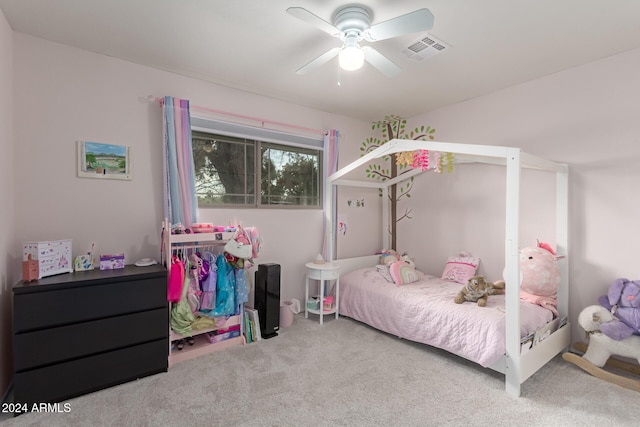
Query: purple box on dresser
x,y
111,261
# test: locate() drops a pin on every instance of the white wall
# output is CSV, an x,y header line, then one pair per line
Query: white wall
x,y
8,271
63,94
587,117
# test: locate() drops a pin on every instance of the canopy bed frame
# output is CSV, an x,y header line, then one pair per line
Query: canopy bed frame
x,y
516,366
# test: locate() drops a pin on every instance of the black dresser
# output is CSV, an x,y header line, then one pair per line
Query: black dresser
x,y
80,332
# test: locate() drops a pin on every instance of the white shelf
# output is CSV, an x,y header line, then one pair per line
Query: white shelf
x,y
231,321
324,312
201,237
201,347
202,344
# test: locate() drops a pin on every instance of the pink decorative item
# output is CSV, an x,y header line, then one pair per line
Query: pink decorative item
x,y
421,160
540,276
327,303
29,269
202,227
437,162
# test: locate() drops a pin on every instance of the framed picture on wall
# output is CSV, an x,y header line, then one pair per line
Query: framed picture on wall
x,y
104,161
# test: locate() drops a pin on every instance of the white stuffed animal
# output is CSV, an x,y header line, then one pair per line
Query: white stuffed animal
x,y
601,347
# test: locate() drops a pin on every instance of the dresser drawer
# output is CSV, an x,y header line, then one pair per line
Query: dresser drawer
x,y
66,380
54,345
50,308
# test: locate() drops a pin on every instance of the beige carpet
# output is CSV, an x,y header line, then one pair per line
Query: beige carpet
x,y
345,373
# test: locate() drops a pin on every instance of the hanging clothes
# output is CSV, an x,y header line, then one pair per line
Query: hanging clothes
x,y
208,285
225,289
193,284
242,293
176,280
181,314
204,269
203,322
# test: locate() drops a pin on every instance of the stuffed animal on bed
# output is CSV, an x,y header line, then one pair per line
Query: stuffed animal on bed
x,y
540,276
389,256
478,290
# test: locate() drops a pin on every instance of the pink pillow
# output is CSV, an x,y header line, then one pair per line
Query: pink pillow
x,y
402,273
461,268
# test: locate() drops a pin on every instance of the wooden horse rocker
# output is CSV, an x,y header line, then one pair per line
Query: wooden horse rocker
x,y
613,329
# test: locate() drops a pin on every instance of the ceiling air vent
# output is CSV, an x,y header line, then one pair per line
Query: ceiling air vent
x,y
425,47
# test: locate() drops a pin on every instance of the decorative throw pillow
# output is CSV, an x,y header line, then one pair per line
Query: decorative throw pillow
x,y
402,273
460,268
384,272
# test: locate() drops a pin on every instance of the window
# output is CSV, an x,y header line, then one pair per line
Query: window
x,y
289,176
233,171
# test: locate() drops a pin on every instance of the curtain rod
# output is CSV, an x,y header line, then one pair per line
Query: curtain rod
x,y
242,116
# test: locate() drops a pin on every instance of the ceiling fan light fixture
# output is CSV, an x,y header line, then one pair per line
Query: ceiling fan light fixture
x,y
352,24
351,58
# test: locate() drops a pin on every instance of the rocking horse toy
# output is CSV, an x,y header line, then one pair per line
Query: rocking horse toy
x,y
613,328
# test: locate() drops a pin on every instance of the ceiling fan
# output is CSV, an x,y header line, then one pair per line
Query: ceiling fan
x,y
351,24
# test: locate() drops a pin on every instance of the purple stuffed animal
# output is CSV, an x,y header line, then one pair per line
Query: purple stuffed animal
x,y
623,301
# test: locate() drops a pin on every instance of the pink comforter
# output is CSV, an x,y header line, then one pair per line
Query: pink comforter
x,y
424,312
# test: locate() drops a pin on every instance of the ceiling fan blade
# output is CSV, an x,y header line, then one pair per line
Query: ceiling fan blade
x,y
413,22
308,17
320,60
379,61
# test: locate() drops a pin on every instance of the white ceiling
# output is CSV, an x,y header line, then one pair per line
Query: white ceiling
x,y
256,46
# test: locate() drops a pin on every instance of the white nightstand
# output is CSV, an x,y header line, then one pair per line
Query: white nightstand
x,y
322,273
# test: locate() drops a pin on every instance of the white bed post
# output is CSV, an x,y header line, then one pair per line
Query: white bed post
x,y
512,273
329,218
562,238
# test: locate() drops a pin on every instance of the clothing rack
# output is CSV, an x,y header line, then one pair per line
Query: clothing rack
x,y
202,343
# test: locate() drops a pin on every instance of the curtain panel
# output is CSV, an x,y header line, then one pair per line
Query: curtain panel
x,y
180,204
331,140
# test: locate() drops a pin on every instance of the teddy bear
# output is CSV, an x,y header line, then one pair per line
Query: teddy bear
x,y
478,289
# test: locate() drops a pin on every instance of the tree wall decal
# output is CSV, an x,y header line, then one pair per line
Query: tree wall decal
x,y
394,127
